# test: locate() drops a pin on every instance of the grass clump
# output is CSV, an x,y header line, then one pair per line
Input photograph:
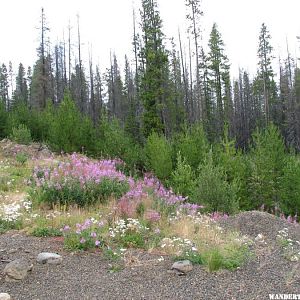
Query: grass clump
x,y
46,232
6,225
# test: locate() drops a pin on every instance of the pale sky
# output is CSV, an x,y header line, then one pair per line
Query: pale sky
x,y
108,26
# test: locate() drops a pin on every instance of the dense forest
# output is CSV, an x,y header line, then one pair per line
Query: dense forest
x,y
227,144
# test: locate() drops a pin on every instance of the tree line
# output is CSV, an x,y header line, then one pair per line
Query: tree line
x,y
163,89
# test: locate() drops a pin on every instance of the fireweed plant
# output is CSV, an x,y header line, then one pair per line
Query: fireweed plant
x,y
79,181
84,236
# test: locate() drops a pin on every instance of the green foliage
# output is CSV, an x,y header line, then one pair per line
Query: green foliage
x,y
235,166
65,130
9,225
46,232
214,260
182,178
192,145
267,160
73,241
34,120
3,119
87,136
213,190
228,258
21,134
290,187
75,194
114,143
194,257
132,239
219,84
21,158
159,156
155,75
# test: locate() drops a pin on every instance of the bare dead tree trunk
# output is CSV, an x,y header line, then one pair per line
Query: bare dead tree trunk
x,y
186,95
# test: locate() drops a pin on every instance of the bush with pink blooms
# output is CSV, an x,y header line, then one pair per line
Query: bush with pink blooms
x,y
78,181
83,182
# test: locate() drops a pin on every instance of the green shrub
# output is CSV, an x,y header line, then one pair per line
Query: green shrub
x,y
267,161
290,187
21,134
192,145
65,133
132,240
74,194
235,166
9,225
21,158
213,190
182,178
113,142
46,232
159,156
226,258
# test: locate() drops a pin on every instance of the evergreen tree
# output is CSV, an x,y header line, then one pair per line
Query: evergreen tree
x,y
41,87
265,72
4,86
21,92
3,119
79,89
267,158
152,91
219,80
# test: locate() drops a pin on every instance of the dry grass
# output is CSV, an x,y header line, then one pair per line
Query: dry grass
x,y
205,234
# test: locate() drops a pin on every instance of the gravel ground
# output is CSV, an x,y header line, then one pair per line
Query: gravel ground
x,y
87,276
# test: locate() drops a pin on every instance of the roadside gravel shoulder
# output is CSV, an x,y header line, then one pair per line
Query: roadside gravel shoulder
x,y
88,276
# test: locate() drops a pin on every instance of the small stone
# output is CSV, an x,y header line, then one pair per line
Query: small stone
x,y
49,258
183,266
12,251
4,296
17,270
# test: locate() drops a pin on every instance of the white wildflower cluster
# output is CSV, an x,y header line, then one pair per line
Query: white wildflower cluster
x,y
55,213
244,240
13,211
4,164
196,218
122,226
291,247
10,212
178,245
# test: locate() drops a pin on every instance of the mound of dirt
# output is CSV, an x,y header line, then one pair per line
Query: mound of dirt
x,y
252,223
34,150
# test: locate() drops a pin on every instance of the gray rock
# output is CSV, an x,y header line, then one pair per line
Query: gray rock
x,y
12,251
17,270
4,296
183,266
49,258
